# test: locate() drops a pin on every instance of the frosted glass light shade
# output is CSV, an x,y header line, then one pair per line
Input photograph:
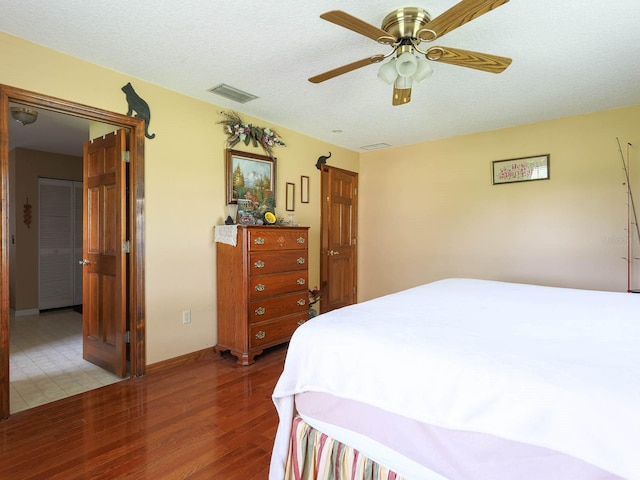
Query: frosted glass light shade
x,y
406,64
423,70
388,72
403,82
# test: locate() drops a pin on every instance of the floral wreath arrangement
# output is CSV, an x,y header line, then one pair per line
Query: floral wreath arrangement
x,y
240,131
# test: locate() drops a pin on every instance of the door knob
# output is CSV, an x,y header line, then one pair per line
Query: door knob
x,y
84,262
332,252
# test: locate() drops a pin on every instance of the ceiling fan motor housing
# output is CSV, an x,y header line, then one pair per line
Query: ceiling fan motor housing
x,y
405,22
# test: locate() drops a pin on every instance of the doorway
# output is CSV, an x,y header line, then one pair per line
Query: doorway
x,y
135,301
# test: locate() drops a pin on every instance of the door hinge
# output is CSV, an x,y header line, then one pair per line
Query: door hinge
x,y
127,337
126,246
126,156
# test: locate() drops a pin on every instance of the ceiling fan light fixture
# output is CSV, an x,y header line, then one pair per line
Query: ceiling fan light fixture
x,y
423,70
388,72
406,64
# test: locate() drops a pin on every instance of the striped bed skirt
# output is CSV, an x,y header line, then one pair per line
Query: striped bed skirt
x,y
315,456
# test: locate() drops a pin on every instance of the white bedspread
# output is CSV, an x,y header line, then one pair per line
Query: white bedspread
x,y
553,367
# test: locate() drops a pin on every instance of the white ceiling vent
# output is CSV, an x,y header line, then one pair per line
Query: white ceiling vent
x,y
375,146
231,93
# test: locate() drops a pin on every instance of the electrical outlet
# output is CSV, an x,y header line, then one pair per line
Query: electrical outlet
x,y
186,317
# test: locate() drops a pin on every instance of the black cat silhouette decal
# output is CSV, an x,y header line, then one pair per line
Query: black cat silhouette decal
x,y
138,105
322,160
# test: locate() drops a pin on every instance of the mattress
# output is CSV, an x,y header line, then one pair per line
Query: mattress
x,y
553,368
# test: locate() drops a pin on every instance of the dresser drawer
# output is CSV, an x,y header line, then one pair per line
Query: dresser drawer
x,y
275,238
261,286
274,262
268,308
276,331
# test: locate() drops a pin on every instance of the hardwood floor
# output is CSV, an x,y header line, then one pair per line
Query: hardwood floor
x,y
212,419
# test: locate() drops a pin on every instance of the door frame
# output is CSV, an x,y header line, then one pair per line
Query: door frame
x,y
136,307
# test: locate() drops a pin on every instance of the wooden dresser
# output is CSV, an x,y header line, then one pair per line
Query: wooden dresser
x,y
262,289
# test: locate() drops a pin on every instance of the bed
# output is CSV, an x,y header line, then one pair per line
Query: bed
x,y
465,379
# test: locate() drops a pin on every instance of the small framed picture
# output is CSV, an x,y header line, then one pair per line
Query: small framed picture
x,y
304,189
290,200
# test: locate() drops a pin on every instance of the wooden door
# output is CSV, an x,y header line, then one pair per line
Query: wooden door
x,y
339,232
104,319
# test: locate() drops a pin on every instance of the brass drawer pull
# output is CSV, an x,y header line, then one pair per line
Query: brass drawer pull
x,y
302,301
260,287
301,281
301,240
260,335
259,264
259,241
260,311
301,322
300,260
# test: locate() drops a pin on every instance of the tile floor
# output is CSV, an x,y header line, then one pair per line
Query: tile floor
x,y
46,362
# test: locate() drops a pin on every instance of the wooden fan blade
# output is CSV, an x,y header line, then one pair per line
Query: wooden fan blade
x,y
401,96
346,68
469,59
458,15
354,24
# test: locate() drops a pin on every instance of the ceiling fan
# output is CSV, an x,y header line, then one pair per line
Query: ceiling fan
x,y
404,30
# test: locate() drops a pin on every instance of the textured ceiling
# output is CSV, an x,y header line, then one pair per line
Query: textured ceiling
x,y
569,57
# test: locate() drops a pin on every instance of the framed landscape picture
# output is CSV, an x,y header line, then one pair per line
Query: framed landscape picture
x,y
251,178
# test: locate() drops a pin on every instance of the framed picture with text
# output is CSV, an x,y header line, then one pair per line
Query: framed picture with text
x,y
521,169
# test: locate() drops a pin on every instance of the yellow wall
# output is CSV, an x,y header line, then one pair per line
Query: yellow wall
x,y
184,185
430,211
427,211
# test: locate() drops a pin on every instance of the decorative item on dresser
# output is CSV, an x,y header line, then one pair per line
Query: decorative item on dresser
x,y
262,287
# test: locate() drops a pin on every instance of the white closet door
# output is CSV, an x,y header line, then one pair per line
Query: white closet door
x,y
77,245
56,267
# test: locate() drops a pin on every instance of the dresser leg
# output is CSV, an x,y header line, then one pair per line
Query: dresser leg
x,y
246,358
